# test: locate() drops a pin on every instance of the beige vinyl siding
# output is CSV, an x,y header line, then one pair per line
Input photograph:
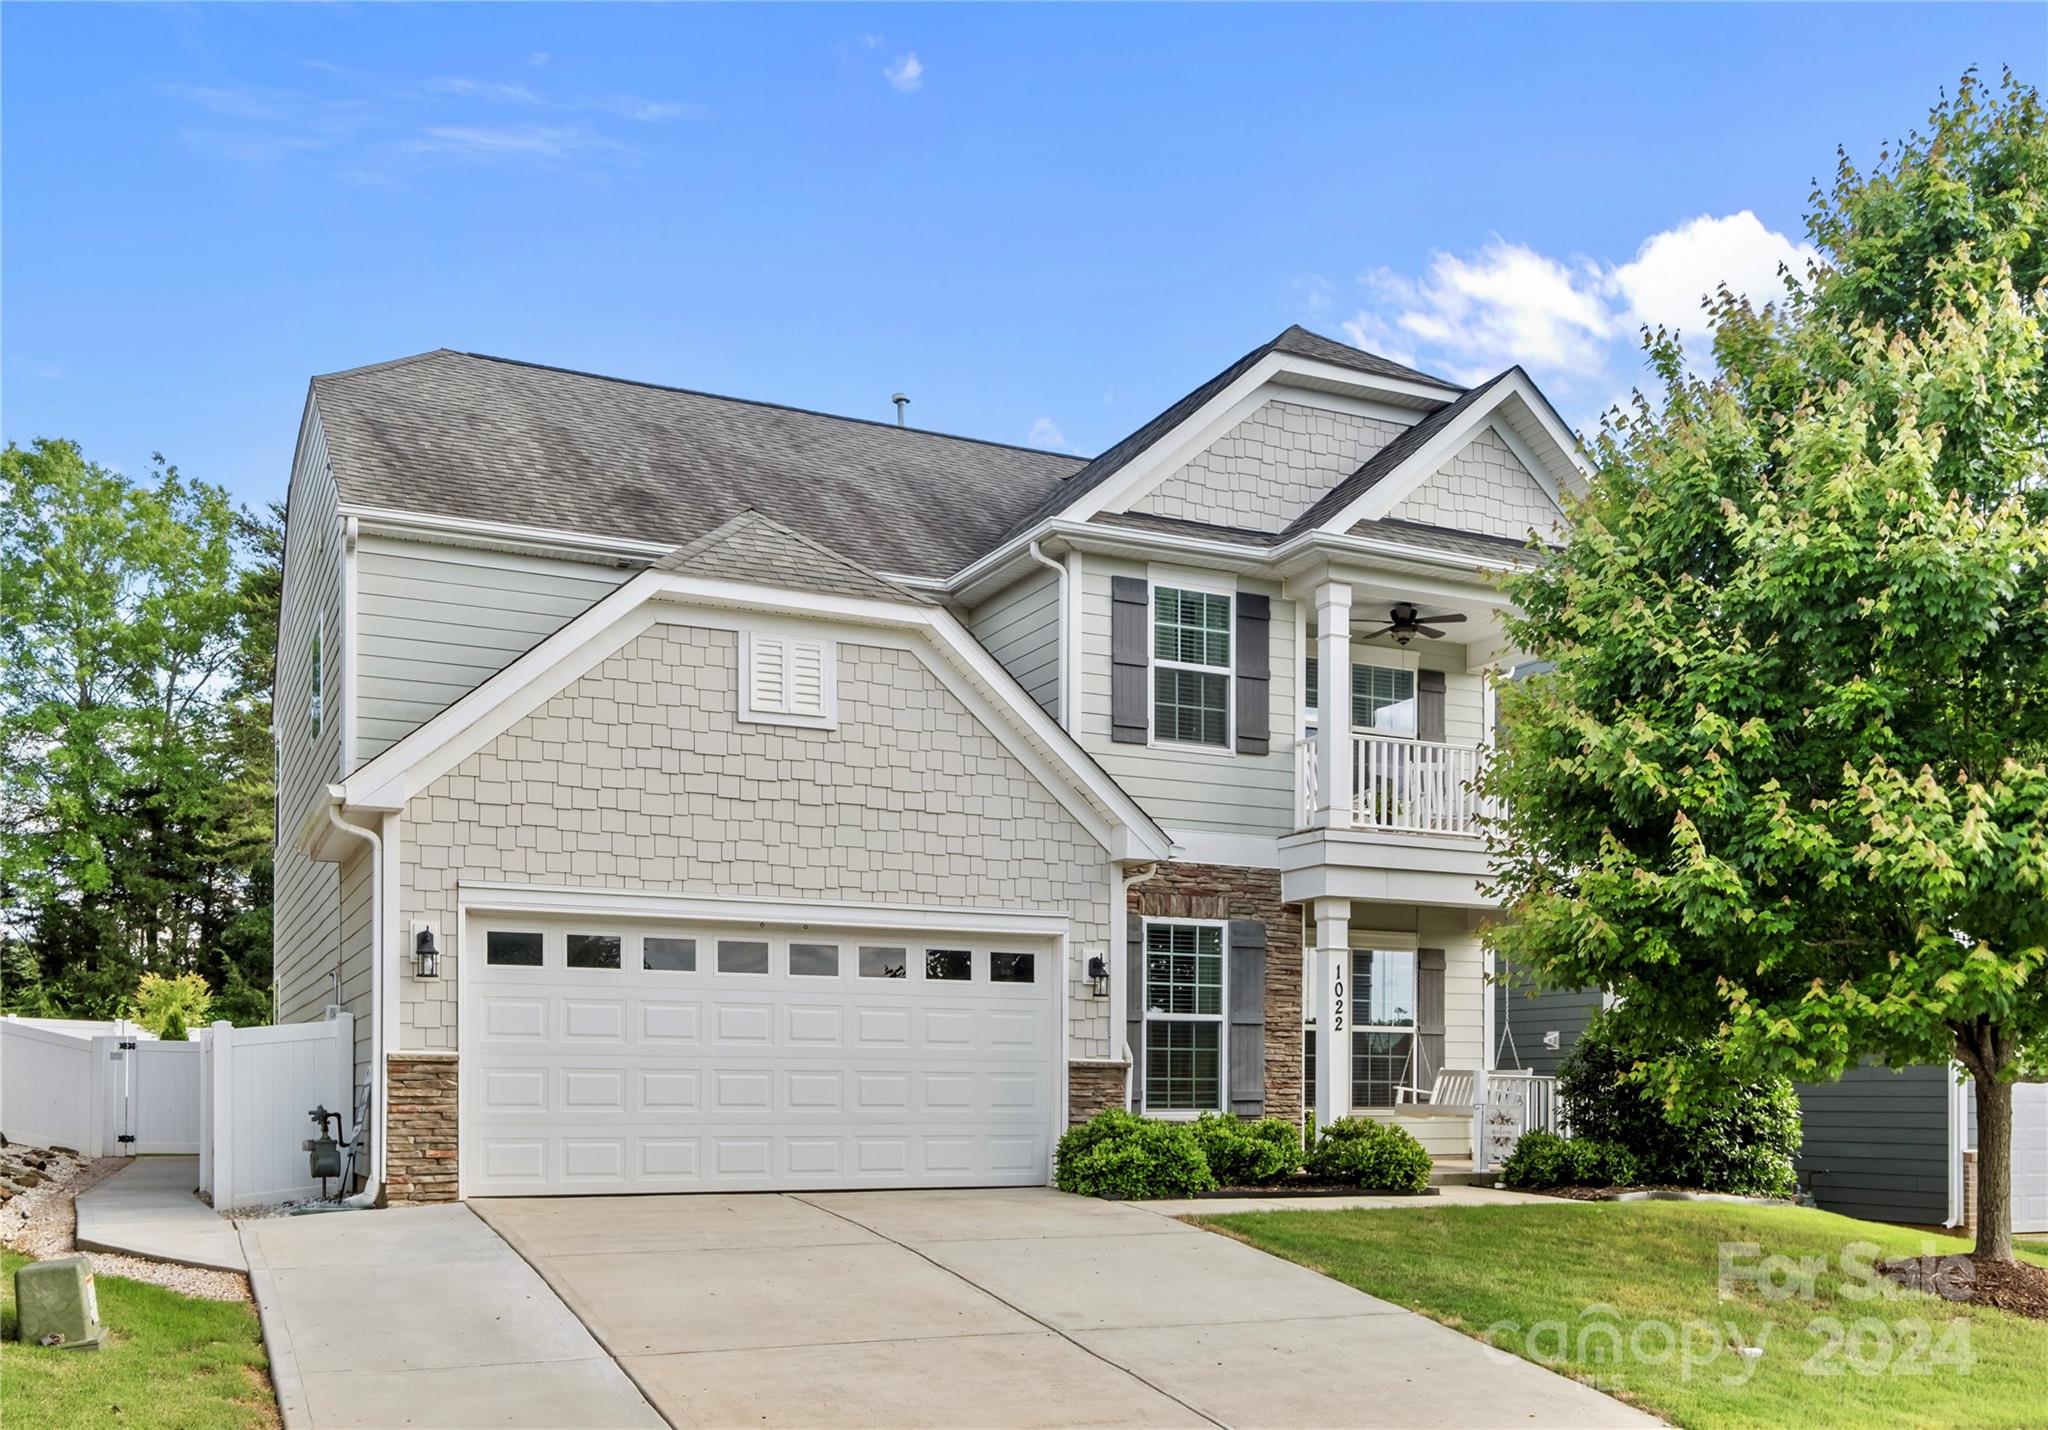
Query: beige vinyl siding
x,y
305,929
1485,488
640,775
355,956
1020,626
1226,793
436,622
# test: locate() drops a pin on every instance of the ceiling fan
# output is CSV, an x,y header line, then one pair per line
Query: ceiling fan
x,y
1405,623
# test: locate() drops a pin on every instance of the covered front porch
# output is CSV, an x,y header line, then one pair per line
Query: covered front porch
x,y
1399,1025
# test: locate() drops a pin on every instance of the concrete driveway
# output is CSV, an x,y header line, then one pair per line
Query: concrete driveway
x,y
1021,1307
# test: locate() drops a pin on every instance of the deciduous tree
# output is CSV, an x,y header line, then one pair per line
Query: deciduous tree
x,y
1786,786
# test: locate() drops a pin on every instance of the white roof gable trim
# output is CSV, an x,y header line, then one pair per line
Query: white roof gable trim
x,y
932,633
1262,382
1526,423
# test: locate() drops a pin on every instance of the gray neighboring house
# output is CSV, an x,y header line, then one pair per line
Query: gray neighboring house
x,y
1879,1144
688,792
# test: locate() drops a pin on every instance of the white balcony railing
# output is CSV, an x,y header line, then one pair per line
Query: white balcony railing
x,y
1412,786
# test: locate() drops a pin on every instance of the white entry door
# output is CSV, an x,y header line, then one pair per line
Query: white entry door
x,y
611,1056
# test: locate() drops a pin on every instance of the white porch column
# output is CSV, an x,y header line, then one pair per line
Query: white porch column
x,y
1335,804
1333,1010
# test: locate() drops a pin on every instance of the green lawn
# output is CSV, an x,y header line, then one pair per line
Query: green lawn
x,y
166,1360
1541,1276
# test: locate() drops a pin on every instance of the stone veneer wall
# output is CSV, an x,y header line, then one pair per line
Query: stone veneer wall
x,y
1271,467
640,776
420,1164
1221,891
1094,1087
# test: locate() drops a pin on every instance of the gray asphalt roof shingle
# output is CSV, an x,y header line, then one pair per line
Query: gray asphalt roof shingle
x,y
465,435
457,434
755,549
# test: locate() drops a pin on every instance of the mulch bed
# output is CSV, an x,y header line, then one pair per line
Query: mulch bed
x,y
1308,1189
1653,1193
2017,1286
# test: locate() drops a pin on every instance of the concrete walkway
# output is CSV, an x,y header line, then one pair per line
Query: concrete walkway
x,y
422,1316
1021,1307
148,1209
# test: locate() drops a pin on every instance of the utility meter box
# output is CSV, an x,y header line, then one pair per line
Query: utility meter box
x,y
57,1304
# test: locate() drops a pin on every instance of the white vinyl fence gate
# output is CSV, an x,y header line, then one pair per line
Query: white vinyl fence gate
x,y
237,1098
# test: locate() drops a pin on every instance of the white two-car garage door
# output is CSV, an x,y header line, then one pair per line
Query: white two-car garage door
x,y
603,1055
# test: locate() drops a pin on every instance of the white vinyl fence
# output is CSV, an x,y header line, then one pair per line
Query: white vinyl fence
x,y
238,1097
50,1095
259,1084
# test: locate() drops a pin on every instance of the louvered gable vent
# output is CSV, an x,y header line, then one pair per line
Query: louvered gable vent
x,y
789,679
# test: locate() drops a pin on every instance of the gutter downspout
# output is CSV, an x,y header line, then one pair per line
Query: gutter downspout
x,y
1059,570
1119,994
374,1189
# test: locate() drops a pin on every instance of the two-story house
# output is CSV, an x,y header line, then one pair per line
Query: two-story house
x,y
688,792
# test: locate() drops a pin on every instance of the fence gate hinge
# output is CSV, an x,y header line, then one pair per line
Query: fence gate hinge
x,y
127,1044
125,1137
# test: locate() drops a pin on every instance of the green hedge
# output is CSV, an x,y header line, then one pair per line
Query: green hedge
x,y
1369,1155
1248,1154
1115,1154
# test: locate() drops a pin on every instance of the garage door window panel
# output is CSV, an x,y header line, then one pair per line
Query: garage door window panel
x,y
743,956
663,953
508,948
1005,967
593,950
948,965
814,960
884,961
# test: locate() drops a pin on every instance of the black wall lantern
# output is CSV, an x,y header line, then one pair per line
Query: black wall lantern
x,y
426,958
1098,976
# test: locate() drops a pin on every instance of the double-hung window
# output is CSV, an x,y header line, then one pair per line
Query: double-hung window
x,y
1190,667
1383,699
1183,1017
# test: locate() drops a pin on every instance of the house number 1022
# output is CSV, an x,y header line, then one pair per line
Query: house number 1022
x,y
1337,998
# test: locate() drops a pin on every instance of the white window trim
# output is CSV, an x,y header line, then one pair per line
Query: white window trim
x,y
1203,585
825,718
1220,1018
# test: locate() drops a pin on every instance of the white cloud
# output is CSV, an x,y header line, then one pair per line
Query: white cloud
x,y
1572,321
906,74
1046,433
373,131
1675,269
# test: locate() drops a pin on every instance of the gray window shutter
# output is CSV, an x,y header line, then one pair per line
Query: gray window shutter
x,y
1429,1015
1429,705
1254,674
1134,1006
1130,613
1247,1033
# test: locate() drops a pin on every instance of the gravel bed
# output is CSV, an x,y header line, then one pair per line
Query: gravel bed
x,y
41,1221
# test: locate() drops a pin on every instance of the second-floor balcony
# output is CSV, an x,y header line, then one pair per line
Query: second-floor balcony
x,y
1402,785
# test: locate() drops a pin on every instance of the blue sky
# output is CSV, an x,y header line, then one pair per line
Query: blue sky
x,y
1043,224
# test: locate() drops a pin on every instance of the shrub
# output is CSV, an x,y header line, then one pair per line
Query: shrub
x,y
1740,1136
1544,1159
1248,1154
1540,1159
1116,1154
1375,1156
171,1007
